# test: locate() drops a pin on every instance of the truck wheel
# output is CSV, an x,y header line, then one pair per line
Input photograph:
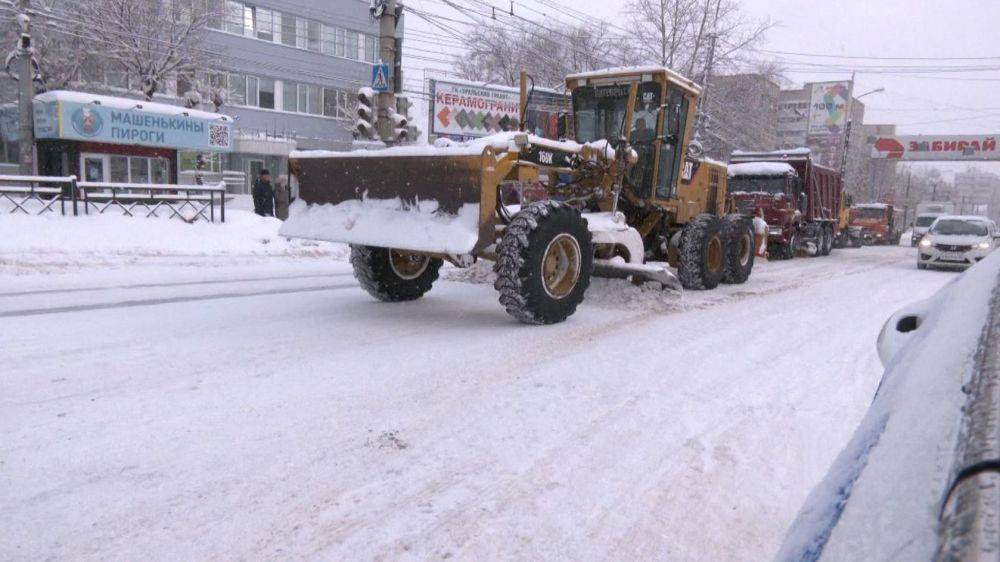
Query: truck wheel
x,y
740,249
544,263
703,253
392,275
827,241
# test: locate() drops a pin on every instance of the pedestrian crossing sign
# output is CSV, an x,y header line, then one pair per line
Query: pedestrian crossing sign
x,y
380,77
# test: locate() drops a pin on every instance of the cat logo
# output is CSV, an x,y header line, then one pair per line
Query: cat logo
x,y
545,157
647,97
688,171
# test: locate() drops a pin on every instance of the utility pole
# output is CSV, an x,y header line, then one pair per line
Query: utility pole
x,y
906,202
388,13
703,124
26,92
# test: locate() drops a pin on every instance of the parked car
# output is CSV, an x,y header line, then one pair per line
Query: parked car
x,y
955,241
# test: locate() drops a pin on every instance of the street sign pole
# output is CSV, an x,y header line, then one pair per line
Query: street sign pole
x,y
387,15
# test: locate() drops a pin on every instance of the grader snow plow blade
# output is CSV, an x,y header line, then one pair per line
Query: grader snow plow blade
x,y
403,198
640,272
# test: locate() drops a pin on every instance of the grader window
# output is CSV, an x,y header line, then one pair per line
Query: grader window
x,y
675,121
599,111
643,138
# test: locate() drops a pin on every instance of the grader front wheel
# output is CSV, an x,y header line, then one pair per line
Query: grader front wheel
x,y
702,253
544,263
393,275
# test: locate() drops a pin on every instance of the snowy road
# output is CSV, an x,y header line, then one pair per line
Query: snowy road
x,y
273,411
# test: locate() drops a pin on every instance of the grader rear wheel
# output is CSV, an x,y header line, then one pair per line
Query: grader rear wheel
x,y
544,263
702,253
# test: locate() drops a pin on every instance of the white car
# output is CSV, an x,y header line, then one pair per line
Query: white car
x,y
921,225
955,241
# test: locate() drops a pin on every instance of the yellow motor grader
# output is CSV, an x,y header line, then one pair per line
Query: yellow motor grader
x,y
628,195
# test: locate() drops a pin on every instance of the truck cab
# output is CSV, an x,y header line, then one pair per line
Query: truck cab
x,y
875,223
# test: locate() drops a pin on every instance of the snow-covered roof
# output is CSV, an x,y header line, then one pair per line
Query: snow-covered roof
x,y
445,147
801,151
880,206
129,104
760,169
627,70
971,218
475,84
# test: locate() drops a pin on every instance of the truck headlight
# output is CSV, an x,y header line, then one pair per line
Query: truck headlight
x,y
926,242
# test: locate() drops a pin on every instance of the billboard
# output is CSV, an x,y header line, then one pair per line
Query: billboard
x,y
109,123
793,122
936,147
828,108
463,110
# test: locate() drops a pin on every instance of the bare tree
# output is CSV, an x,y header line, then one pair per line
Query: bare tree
x,y
498,53
678,33
150,39
63,46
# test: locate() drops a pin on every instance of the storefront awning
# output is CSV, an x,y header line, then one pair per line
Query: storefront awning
x,y
80,116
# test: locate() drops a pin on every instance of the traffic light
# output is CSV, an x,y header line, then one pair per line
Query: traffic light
x,y
403,122
365,126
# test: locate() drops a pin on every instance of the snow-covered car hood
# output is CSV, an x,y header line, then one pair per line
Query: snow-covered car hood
x,y
882,497
957,240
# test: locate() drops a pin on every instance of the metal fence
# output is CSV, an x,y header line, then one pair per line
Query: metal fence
x,y
38,195
186,202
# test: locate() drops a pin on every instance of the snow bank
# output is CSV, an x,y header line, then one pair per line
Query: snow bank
x,y
905,238
760,169
30,243
386,223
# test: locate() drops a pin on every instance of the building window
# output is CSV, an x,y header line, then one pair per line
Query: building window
x,y
288,29
264,24
329,40
371,49
315,36
252,91
265,95
237,89
234,17
138,170
351,45
335,103
289,101
188,162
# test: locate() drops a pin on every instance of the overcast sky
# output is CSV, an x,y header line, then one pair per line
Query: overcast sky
x,y
942,102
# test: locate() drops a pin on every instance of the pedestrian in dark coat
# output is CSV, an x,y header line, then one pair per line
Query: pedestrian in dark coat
x,y
263,195
281,198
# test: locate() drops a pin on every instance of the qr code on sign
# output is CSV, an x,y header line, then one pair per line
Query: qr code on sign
x,y
218,135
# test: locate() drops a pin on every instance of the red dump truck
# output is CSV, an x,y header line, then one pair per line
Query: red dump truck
x,y
799,199
876,223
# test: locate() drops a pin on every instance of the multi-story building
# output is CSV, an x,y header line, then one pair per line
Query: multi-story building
x,y
288,72
978,192
802,122
881,172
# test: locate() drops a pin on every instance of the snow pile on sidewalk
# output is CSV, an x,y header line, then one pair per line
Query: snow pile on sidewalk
x,y
53,242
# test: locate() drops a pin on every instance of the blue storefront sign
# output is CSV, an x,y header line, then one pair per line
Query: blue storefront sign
x,y
110,122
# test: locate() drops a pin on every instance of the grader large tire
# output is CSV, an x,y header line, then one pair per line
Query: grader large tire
x,y
702,253
544,263
828,247
393,276
740,248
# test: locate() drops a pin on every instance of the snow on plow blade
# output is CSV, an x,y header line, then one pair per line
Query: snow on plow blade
x,y
643,272
404,198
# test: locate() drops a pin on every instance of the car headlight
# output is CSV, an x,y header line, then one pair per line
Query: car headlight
x,y
983,245
925,242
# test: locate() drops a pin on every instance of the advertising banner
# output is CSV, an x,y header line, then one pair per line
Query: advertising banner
x,y
99,123
936,147
463,110
828,108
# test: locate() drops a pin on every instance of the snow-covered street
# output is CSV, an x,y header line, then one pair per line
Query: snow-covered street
x,y
263,406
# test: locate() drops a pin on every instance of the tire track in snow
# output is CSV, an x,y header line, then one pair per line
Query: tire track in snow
x,y
168,300
171,284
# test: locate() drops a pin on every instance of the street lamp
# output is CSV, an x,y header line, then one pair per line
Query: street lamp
x,y
847,140
875,91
